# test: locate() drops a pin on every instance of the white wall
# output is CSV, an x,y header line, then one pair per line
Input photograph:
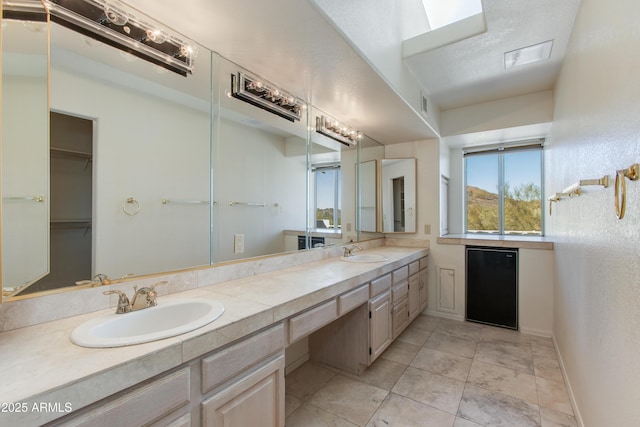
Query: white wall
x,y
252,166
597,294
167,146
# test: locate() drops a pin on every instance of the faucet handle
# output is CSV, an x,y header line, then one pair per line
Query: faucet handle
x,y
123,301
163,282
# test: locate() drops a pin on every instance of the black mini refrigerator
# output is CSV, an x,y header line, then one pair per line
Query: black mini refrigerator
x,y
492,286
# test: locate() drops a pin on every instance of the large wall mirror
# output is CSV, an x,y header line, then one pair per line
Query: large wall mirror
x,y
129,169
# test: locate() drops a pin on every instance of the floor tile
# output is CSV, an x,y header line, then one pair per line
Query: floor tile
x,y
552,394
382,373
491,333
424,322
311,416
398,411
451,344
414,336
547,368
543,347
291,403
400,352
461,422
467,330
307,379
504,380
553,418
509,355
490,408
445,364
352,400
435,390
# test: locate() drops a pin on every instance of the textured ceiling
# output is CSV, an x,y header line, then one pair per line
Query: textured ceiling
x,y
290,43
472,70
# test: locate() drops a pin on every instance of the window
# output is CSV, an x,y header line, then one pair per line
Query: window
x,y
504,189
327,196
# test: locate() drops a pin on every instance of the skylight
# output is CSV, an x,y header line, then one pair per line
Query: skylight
x,y
444,12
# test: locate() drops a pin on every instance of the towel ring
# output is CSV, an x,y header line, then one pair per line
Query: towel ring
x,y
131,211
632,172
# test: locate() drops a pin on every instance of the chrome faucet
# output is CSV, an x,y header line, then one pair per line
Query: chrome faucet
x,y
98,280
142,298
348,251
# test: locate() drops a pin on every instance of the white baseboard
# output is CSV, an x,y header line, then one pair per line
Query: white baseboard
x,y
572,397
452,316
537,332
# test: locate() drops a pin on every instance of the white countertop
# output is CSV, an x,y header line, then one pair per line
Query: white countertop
x,y
498,240
40,364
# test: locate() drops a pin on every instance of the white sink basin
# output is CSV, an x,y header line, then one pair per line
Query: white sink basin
x,y
365,258
167,319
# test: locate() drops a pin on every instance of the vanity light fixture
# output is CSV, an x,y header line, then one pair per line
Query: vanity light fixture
x,y
266,96
112,23
338,131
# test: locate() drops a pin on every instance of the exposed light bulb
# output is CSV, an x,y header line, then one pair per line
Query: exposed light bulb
x,y
115,15
156,36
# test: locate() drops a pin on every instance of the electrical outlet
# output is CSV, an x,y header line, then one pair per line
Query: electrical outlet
x,y
427,229
238,243
348,226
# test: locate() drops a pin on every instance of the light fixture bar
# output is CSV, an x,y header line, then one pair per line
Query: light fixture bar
x,y
110,23
264,95
337,131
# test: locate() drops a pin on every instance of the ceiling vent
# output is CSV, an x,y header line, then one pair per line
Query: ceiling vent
x,y
424,104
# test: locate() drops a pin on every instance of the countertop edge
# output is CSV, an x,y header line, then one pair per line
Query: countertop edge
x,y
183,349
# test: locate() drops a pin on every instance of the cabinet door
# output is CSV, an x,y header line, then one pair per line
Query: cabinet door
x,y
414,296
379,325
400,317
256,399
424,289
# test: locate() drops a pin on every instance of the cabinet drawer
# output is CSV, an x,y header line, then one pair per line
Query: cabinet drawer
x,y
303,324
226,363
379,285
140,406
423,263
414,267
352,299
400,274
400,291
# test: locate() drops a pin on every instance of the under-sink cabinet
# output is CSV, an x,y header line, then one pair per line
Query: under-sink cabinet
x,y
242,383
239,385
354,341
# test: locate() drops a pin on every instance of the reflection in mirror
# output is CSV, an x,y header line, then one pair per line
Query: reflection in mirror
x,y
368,195
147,161
398,195
370,221
260,172
25,149
331,196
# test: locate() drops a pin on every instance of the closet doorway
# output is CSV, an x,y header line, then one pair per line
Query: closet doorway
x,y
71,201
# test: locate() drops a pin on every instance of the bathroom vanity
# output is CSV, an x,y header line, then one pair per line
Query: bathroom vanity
x,y
230,372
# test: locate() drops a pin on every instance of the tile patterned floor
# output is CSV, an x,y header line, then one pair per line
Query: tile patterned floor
x,y
440,373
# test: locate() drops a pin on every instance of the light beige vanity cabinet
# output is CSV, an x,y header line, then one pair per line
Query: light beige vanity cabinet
x,y
380,334
255,399
400,300
162,400
239,385
423,279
